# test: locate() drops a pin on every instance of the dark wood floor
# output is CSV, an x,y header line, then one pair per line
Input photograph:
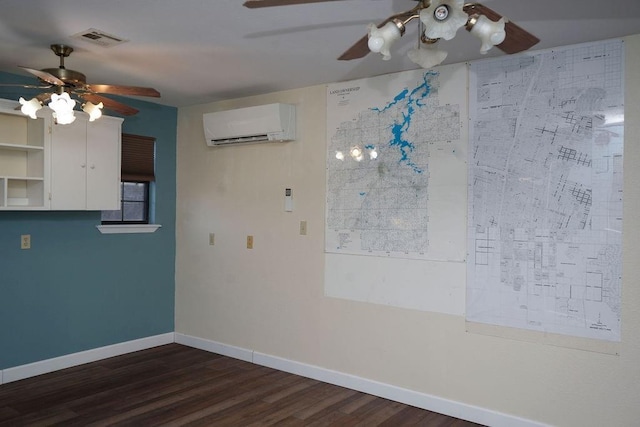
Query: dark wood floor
x,y
178,385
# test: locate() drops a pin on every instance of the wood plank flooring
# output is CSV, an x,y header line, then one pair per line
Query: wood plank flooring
x,y
175,385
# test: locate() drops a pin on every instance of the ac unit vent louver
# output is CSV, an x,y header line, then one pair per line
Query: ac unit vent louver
x,y
262,123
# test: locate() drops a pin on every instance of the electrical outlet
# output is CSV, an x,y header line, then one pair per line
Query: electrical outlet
x,y
249,242
25,241
303,228
212,239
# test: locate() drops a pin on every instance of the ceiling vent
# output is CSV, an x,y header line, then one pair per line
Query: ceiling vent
x,y
99,37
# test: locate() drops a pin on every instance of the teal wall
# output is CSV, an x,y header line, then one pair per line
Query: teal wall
x,y
77,289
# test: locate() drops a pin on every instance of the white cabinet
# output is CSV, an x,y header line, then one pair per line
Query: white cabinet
x,y
69,166
104,141
44,166
85,164
24,160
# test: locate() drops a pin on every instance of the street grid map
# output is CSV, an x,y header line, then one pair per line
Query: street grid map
x,y
545,191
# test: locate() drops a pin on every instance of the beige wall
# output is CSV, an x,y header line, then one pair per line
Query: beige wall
x,y
270,299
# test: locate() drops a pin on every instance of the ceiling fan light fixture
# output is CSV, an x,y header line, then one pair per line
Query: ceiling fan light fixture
x,y
443,18
381,39
62,106
93,110
490,33
66,83
31,107
427,57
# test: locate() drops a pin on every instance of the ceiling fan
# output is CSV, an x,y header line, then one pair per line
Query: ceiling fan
x,y
440,19
62,83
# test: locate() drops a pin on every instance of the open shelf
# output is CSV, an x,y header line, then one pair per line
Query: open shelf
x,y
22,161
20,147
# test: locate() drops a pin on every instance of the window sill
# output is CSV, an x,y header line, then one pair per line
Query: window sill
x,y
128,228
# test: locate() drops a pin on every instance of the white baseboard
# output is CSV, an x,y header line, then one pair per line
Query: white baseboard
x,y
45,366
410,397
215,347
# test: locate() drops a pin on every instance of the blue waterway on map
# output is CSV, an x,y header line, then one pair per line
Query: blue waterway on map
x,y
411,100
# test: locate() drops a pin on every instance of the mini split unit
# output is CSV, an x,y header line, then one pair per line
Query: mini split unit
x,y
263,123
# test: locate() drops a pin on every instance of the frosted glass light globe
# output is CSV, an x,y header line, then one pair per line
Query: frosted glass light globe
x,y
381,39
489,32
375,44
30,107
443,18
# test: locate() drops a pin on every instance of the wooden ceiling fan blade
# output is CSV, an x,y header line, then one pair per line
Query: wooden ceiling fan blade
x,y
25,86
110,104
43,75
360,49
517,39
123,90
255,4
44,97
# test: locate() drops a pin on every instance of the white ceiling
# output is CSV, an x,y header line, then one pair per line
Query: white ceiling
x,y
197,51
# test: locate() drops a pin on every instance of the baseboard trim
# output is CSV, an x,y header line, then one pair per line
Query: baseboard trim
x,y
69,360
215,347
410,397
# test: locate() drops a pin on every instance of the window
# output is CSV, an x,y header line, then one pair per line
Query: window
x,y
134,205
137,174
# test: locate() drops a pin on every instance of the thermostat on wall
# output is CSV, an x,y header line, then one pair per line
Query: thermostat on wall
x,y
288,200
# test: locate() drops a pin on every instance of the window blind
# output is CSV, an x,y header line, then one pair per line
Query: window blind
x,y
138,158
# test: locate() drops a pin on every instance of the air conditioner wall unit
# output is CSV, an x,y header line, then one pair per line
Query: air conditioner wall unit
x,y
262,123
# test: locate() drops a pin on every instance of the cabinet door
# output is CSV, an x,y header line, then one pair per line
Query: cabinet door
x,y
69,166
103,164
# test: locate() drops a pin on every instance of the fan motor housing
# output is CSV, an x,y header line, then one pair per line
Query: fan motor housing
x,y
70,77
